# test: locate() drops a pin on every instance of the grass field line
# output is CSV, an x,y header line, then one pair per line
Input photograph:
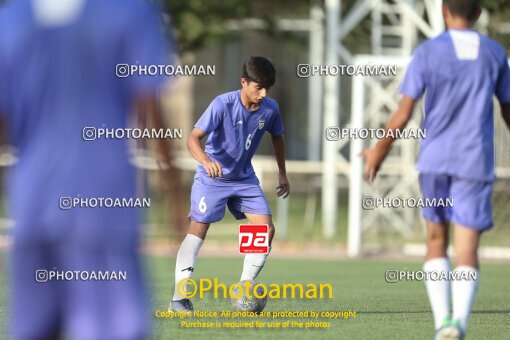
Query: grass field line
x,y
230,249
410,251
320,251
488,253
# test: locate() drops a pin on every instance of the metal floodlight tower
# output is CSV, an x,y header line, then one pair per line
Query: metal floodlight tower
x,y
395,28
331,118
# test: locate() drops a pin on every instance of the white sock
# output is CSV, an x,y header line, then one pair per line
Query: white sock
x,y
464,292
185,262
253,264
439,290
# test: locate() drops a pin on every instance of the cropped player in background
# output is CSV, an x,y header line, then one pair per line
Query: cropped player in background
x,y
57,75
235,122
459,71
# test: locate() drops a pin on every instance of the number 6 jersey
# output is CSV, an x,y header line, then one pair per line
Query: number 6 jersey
x,y
235,133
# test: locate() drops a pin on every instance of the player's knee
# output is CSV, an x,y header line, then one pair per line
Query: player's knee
x,y
437,237
271,228
467,258
437,244
198,229
467,252
271,232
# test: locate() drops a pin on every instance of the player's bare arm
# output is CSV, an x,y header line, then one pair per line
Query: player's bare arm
x,y
375,156
150,115
283,189
213,169
149,110
505,112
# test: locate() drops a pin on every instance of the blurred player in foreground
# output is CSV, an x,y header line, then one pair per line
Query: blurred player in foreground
x,y
235,122
460,71
57,75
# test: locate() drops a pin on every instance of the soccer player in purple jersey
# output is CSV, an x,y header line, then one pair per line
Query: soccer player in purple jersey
x,y
460,71
235,122
57,76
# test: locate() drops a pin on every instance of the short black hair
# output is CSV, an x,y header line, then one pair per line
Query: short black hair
x,y
259,70
466,9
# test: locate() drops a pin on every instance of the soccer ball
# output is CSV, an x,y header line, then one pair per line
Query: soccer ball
x,y
241,302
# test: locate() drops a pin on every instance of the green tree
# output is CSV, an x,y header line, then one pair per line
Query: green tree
x,y
199,22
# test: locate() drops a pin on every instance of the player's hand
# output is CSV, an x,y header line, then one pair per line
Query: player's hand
x,y
373,160
283,189
213,169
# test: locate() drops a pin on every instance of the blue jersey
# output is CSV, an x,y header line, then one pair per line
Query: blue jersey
x,y
235,133
460,71
57,78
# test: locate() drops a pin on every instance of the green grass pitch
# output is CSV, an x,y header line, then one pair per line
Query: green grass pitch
x,y
384,310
